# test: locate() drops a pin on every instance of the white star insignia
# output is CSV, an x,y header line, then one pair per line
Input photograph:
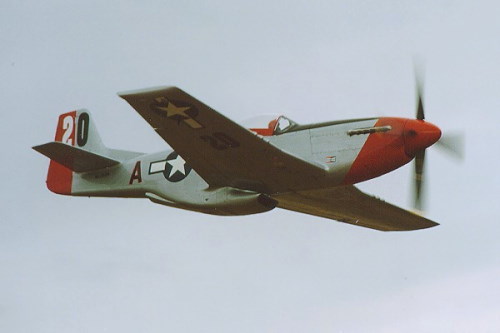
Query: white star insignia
x,y
178,165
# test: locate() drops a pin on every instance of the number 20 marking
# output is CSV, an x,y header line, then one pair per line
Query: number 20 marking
x,y
82,133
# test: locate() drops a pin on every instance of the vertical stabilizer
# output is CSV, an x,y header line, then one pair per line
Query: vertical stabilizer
x,y
75,129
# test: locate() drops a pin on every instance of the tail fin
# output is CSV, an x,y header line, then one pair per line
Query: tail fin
x,y
73,158
77,147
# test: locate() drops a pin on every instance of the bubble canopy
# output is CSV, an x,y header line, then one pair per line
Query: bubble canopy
x,y
269,124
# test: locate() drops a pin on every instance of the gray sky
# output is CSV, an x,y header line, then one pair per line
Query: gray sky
x,y
107,265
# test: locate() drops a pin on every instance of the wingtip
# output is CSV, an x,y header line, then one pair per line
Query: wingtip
x,y
143,91
429,224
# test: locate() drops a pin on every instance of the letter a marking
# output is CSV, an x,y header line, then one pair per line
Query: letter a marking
x,y
136,174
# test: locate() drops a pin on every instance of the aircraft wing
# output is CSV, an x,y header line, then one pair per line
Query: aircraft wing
x,y
221,151
350,205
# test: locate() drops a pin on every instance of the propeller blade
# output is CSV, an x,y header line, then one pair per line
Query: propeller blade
x,y
420,104
453,144
419,178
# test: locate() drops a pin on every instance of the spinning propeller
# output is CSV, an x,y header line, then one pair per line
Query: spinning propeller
x,y
418,136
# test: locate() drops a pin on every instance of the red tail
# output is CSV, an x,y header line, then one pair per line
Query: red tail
x,y
60,178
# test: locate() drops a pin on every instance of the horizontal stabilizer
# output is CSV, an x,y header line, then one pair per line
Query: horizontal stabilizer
x,y
76,159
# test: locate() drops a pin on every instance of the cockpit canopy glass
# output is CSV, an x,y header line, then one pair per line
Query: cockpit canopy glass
x,y
268,125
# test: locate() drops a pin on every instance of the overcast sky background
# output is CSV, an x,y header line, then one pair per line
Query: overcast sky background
x,y
127,265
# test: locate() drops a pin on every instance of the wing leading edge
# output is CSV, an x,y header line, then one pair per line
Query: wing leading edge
x,y
350,205
220,150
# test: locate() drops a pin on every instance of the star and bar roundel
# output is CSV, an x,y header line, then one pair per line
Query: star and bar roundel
x,y
174,168
176,110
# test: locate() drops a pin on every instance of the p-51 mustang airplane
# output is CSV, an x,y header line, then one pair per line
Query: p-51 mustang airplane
x,y
219,167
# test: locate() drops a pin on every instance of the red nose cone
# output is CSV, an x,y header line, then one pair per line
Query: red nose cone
x,y
419,135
